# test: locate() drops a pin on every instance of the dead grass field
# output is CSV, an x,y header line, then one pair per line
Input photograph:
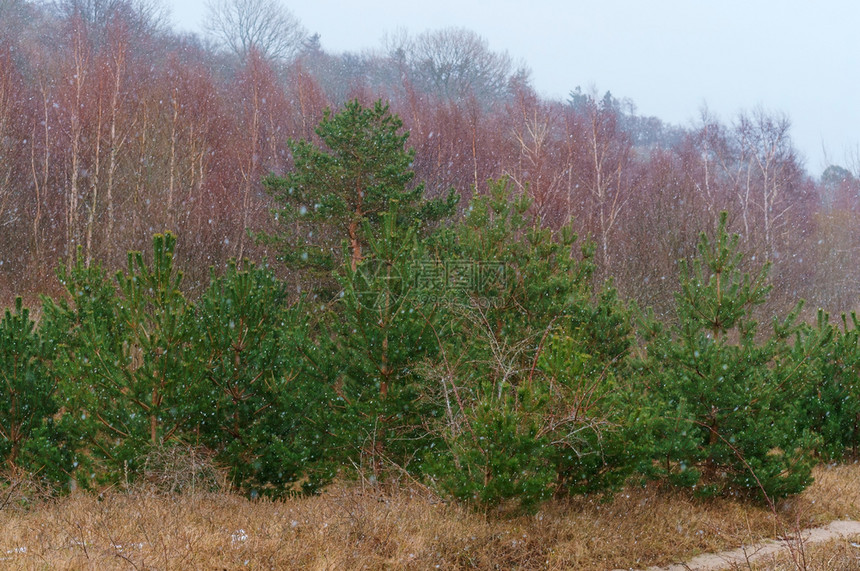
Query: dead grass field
x,y
839,555
408,528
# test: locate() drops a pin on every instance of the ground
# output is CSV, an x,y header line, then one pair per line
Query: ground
x,y
407,527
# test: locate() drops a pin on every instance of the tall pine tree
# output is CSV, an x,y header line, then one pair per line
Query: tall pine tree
x,y
362,167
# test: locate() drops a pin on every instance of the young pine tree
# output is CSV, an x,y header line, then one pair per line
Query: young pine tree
x,y
351,219
124,366
30,438
729,420
380,334
827,357
531,361
260,412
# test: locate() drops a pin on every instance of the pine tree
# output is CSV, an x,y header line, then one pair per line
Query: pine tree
x,y
728,421
531,356
124,362
352,221
380,334
30,438
827,358
259,409
362,167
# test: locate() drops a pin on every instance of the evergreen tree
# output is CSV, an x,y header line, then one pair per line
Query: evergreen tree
x,y
827,358
531,356
30,438
333,190
380,334
352,220
260,411
124,364
729,415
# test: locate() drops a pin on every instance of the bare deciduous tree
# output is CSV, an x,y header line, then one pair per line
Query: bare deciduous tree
x,y
603,172
453,63
140,17
11,103
263,25
540,167
772,167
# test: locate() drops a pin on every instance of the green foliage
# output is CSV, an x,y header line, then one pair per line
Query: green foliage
x,y
124,367
496,456
256,411
351,218
728,420
29,436
379,334
715,295
591,418
532,340
74,327
141,370
333,191
509,280
827,358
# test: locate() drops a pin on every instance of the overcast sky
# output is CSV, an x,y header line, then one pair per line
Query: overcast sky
x,y
671,57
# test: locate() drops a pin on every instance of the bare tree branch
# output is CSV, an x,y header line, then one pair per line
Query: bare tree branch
x,y
263,25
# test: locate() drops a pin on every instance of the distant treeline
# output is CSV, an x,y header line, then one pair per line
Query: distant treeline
x,y
113,127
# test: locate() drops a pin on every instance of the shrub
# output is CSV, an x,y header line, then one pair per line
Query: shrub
x,y
180,468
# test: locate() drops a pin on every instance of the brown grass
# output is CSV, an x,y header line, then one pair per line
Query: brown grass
x,y
407,528
837,555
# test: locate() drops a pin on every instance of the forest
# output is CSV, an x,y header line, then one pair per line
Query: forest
x,y
307,266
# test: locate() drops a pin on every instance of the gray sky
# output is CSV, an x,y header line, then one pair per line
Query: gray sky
x,y
671,57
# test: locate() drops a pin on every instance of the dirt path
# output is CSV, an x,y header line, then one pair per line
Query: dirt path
x,y
725,559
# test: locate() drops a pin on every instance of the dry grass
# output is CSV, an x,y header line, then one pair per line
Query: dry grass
x,y
835,494
838,555
347,528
